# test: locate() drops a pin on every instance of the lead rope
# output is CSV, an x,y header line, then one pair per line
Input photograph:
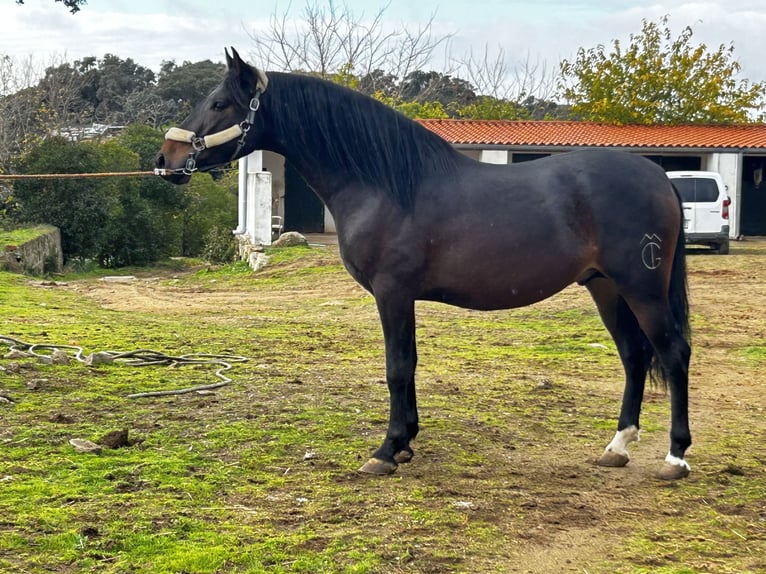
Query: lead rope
x,y
62,354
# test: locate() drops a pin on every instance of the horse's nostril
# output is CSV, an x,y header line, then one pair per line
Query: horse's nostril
x,y
160,161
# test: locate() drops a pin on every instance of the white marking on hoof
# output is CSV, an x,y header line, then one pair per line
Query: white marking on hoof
x,y
675,461
622,439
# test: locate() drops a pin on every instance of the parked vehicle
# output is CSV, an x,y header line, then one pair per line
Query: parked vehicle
x,y
706,208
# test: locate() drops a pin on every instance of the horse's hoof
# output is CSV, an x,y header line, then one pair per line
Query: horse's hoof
x,y
613,459
379,467
673,471
403,456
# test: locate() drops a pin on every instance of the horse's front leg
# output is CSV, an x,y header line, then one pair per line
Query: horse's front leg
x,y
397,317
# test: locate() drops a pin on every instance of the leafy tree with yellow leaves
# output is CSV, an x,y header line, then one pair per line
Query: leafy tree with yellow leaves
x,y
660,79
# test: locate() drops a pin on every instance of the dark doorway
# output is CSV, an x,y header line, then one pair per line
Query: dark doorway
x,y
677,162
304,211
752,219
520,157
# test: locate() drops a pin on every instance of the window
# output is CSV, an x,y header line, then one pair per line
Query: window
x,y
696,189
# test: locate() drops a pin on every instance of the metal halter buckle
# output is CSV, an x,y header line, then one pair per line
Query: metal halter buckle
x,y
191,164
198,143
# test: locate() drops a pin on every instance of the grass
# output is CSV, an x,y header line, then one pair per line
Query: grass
x,y
260,476
21,235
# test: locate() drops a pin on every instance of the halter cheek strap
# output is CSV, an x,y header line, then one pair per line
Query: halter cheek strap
x,y
200,143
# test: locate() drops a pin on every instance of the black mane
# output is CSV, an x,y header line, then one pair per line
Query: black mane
x,y
357,134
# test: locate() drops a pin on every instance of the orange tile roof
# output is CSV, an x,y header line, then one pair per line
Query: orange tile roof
x,y
578,134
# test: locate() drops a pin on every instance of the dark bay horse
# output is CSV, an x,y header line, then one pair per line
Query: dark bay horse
x,y
417,220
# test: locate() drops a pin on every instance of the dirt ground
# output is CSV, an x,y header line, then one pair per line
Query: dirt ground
x,y
574,510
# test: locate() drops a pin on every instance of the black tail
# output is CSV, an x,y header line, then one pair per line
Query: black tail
x,y
678,297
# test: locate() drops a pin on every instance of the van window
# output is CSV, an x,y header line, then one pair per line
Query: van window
x,y
696,189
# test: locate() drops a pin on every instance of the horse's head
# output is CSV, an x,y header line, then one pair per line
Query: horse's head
x,y
218,131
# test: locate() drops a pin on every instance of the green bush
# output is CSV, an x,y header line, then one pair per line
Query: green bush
x,y
84,209
220,245
119,221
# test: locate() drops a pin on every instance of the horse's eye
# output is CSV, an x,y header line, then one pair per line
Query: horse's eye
x,y
220,105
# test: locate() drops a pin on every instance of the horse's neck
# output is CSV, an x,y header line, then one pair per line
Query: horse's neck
x,y
339,140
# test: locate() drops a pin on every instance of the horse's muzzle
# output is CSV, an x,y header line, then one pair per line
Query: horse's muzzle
x,y
173,173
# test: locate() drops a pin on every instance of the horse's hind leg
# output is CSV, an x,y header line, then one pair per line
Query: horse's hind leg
x,y
635,354
672,353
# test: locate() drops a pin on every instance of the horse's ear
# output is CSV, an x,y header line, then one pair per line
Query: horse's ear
x,y
234,61
250,77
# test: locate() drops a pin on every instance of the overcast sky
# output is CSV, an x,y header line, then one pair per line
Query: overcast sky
x,y
150,31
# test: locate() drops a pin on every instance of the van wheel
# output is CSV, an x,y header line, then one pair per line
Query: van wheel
x,y
722,248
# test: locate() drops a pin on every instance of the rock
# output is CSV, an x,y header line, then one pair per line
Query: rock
x,y
99,358
16,354
59,357
36,384
115,439
290,239
257,261
119,278
545,384
61,418
82,445
12,368
10,262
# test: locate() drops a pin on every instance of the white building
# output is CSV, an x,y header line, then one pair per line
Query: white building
x,y
269,187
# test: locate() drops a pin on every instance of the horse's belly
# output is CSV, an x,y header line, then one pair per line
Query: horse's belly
x,y
487,294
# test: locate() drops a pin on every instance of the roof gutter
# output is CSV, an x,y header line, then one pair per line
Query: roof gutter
x,y
532,148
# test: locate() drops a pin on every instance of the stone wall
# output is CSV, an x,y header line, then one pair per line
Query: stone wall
x,y
38,256
253,254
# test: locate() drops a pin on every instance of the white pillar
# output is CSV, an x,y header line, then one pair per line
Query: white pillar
x,y
259,207
729,165
329,222
242,197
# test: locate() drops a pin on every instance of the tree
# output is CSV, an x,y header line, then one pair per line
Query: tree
x,y
60,91
187,84
507,90
335,43
82,209
165,201
20,108
115,81
419,86
73,5
659,79
211,205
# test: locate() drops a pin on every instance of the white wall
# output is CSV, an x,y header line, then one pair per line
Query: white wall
x,y
494,156
729,165
254,195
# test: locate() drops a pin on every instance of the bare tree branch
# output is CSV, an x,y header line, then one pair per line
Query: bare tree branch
x,y
489,73
331,39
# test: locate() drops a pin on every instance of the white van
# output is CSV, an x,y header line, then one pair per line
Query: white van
x,y
706,208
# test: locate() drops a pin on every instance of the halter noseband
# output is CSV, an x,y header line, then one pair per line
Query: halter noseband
x,y
200,143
